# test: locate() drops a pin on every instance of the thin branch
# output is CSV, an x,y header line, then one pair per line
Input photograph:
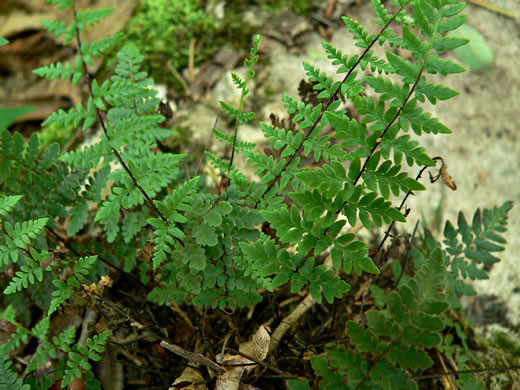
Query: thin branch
x,y
194,357
291,319
261,363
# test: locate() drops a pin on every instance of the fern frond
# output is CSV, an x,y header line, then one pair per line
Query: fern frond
x,y
96,345
76,364
28,273
236,177
479,241
419,120
99,47
8,378
155,172
291,226
23,233
395,92
63,292
164,239
375,63
351,254
61,4
179,199
7,204
346,62
320,81
74,117
228,141
395,338
45,348
57,27
321,147
360,34
305,113
83,265
267,167
91,16
17,338
166,294
327,179
354,134
433,92
236,113
388,177
411,150
53,71
370,207
133,223
381,13
443,67
281,138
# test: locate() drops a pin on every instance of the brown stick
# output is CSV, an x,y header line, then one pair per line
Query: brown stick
x,y
194,357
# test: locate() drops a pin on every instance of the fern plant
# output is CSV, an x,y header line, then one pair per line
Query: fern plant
x,y
397,336
286,227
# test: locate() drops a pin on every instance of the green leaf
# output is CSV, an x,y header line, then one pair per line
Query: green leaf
x,y
205,235
367,265
298,384
476,55
8,115
78,218
213,218
8,203
8,378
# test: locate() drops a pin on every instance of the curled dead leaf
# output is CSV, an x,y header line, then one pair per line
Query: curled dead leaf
x,y
446,178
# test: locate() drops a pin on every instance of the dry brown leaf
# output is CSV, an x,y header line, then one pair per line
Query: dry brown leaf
x,y
446,178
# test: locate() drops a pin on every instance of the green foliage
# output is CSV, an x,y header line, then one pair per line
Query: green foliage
x,y
397,335
477,55
163,30
289,228
28,272
65,288
75,357
78,356
8,378
8,115
469,248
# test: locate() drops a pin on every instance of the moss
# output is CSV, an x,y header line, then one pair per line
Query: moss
x,y
56,133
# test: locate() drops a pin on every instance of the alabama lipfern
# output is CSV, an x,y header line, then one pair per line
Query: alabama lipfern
x,y
469,249
74,358
395,341
8,378
198,236
205,248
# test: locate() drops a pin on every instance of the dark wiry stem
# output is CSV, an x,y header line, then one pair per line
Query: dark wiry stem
x,y
103,126
324,108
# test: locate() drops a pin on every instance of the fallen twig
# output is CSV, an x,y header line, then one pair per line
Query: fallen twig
x,y
194,357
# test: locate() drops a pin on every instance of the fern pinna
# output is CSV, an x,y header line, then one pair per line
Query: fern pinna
x,y
194,245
